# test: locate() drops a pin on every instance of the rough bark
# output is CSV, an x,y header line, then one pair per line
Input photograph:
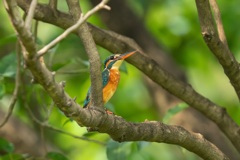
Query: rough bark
x,y
133,27
115,126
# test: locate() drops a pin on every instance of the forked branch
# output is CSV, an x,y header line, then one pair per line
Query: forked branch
x,y
81,20
115,126
216,41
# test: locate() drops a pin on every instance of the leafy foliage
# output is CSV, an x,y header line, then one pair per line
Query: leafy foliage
x,y
55,156
5,146
173,111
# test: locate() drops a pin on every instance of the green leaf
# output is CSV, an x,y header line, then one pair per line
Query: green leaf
x,y
59,65
119,151
89,134
5,146
67,121
55,156
8,85
12,156
8,65
172,111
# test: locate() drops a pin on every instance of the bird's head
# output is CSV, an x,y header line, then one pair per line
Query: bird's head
x,y
115,61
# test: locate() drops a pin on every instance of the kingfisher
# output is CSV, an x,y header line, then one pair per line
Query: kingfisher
x,y
110,77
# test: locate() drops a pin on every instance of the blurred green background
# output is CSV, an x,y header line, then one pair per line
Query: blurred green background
x,y
173,23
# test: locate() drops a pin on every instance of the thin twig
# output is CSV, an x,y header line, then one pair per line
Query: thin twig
x,y
17,86
82,19
73,135
217,16
215,38
30,14
46,125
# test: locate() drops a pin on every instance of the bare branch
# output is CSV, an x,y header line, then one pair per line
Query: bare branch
x,y
148,66
95,67
217,16
30,14
25,37
115,126
16,89
61,37
176,87
81,20
216,41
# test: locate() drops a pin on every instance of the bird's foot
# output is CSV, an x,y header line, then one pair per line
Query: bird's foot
x,y
108,111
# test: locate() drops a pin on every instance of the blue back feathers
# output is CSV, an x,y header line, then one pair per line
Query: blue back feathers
x,y
105,79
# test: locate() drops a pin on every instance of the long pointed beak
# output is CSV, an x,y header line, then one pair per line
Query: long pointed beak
x,y
126,55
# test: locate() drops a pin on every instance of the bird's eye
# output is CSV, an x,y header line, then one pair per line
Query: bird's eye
x,y
112,58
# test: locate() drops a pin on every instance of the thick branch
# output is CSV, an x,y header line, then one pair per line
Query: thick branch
x,y
178,88
115,126
216,41
148,66
217,17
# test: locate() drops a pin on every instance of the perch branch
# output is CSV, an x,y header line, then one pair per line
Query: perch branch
x,y
148,66
116,127
176,87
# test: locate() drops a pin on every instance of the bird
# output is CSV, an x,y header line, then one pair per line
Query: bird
x,y
110,77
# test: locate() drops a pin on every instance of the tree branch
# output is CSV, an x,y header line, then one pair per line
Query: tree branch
x,y
30,14
217,16
92,52
216,41
53,4
44,50
115,126
176,87
153,70
79,22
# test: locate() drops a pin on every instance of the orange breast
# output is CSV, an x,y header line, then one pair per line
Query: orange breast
x,y
112,85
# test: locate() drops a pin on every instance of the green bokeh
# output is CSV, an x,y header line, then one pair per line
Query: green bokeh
x,y
173,23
